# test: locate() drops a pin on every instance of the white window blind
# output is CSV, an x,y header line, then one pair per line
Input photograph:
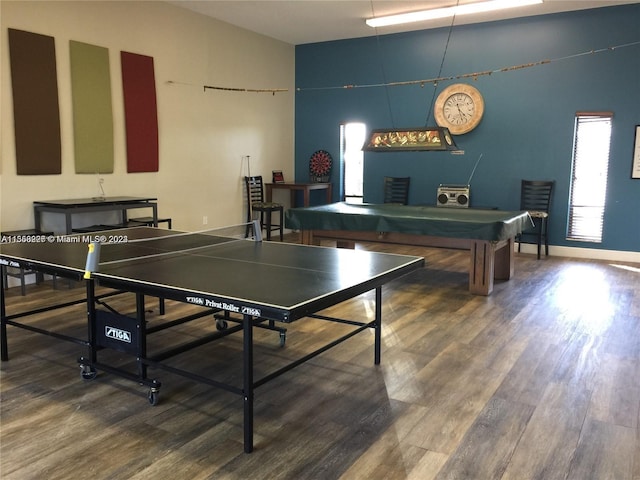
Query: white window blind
x,y
592,140
352,137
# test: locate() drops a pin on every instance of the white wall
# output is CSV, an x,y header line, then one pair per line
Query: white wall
x,y
203,135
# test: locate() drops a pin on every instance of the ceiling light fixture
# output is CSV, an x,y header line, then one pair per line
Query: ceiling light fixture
x,y
448,12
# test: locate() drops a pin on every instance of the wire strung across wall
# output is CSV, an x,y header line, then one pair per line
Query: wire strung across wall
x,y
473,75
384,77
444,56
382,70
273,91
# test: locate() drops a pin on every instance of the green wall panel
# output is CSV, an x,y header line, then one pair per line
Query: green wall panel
x,y
92,108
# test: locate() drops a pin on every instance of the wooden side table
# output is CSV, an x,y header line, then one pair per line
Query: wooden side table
x,y
294,187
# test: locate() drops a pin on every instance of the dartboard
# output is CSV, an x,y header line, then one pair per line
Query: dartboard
x,y
320,163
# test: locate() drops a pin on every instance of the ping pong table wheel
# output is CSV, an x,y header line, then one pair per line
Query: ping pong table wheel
x,y
87,372
153,396
221,324
283,338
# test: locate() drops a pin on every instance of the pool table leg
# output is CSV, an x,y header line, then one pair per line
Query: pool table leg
x,y
489,261
481,268
504,260
306,238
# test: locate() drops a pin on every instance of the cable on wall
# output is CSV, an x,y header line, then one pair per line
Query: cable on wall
x,y
473,75
384,76
383,71
273,91
444,55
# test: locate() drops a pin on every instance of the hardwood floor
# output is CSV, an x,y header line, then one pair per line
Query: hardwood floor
x,y
540,380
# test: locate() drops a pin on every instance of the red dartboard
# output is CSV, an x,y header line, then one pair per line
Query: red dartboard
x,y
320,163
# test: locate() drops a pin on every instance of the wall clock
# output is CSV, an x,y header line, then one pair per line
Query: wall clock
x,y
459,108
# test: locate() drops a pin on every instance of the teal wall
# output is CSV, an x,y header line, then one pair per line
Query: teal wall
x,y
528,124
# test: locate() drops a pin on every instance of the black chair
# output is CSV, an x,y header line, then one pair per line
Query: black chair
x,y
535,198
256,203
396,190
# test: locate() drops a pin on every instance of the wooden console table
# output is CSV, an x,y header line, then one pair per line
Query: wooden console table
x,y
294,187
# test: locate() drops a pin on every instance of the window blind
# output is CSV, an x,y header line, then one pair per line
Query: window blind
x,y
592,140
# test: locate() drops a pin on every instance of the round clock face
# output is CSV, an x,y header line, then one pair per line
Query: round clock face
x,y
459,108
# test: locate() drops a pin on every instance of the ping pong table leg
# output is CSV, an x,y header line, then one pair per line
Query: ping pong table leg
x,y
87,368
247,325
142,335
378,327
4,355
91,321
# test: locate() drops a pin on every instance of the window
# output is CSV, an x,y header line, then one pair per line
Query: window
x,y
352,137
592,139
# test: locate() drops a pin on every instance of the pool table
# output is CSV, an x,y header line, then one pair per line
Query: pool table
x,y
488,234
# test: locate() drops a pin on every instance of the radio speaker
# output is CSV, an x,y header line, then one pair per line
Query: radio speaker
x,y
456,196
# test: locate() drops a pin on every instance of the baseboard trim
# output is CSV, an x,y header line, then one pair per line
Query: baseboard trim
x,y
588,253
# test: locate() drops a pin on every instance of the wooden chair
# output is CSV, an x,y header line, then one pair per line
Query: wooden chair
x,y
396,190
535,198
256,203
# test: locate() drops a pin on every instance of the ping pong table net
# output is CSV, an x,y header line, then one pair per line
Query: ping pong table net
x,y
120,249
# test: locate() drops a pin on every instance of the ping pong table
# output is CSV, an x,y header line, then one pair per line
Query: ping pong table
x,y
245,283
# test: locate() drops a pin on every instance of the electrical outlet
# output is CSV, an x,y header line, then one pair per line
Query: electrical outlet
x,y
205,220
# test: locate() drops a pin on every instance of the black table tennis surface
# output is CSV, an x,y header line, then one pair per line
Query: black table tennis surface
x,y
279,281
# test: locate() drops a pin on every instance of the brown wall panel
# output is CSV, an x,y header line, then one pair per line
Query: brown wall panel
x,y
35,103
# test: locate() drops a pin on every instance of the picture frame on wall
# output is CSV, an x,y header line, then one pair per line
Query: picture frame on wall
x,y
635,166
277,176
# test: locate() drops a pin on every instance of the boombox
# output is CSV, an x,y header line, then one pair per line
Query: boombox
x,y
453,196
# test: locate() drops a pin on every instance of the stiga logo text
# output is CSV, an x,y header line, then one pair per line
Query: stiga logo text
x,y
117,334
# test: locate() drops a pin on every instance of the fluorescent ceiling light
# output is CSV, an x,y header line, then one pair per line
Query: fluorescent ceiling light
x,y
448,12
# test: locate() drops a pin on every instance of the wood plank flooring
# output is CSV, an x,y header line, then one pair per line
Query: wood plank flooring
x,y
540,380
